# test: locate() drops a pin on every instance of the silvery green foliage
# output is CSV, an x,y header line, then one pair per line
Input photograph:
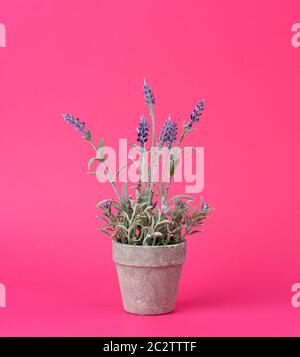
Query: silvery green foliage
x,y
136,222
151,217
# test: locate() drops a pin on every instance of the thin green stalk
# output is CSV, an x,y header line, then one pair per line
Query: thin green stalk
x,y
153,124
178,144
168,187
163,174
182,136
152,146
106,168
142,159
153,170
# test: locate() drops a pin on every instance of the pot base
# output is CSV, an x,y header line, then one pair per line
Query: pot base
x,y
148,290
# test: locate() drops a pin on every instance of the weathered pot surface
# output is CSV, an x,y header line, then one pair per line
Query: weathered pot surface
x,y
149,276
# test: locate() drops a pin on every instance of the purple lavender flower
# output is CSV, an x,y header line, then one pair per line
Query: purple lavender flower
x,y
205,206
179,204
168,133
77,125
106,205
143,131
148,94
197,112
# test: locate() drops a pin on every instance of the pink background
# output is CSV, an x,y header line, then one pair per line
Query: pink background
x,y
90,58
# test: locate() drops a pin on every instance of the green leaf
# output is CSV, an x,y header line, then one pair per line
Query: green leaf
x,y
181,196
90,163
103,231
118,172
100,160
165,221
177,161
124,190
172,168
101,144
101,202
173,165
87,136
100,150
103,219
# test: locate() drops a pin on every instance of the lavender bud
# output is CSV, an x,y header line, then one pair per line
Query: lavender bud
x,y
197,112
106,205
148,94
77,125
204,206
168,133
143,131
179,204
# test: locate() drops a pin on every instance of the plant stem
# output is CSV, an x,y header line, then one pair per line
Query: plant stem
x,y
106,169
152,148
153,124
163,172
93,144
142,160
153,142
155,164
178,144
182,136
168,187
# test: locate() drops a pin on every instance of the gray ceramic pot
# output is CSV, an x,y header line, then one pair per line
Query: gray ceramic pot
x,y
149,276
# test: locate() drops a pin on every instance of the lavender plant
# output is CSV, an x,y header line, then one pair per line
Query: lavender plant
x,y
150,217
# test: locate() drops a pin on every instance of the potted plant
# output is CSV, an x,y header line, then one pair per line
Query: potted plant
x,y
148,229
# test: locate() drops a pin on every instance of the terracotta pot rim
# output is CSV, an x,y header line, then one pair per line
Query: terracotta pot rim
x,y
148,256
149,246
